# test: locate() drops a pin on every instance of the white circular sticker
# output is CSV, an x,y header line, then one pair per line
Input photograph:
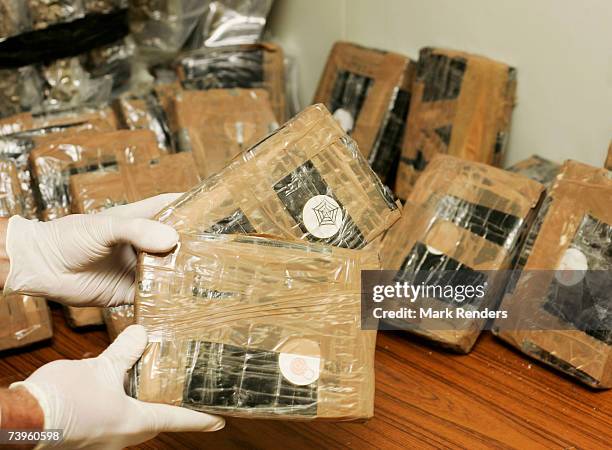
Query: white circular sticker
x,y
344,118
298,369
322,216
572,267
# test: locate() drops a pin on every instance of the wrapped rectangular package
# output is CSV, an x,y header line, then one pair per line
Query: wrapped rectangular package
x,y
217,124
306,181
256,327
465,217
359,86
562,303
83,317
59,157
24,319
461,105
96,191
242,66
145,113
537,168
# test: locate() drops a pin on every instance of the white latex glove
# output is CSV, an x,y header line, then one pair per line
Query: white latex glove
x,y
86,259
86,399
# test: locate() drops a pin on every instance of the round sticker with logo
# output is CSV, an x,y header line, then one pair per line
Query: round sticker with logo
x,y
300,368
322,216
572,267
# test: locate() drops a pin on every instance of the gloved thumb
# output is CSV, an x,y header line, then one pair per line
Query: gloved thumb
x,y
144,234
126,349
176,419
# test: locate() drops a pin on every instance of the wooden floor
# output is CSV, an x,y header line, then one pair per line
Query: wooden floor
x,y
425,398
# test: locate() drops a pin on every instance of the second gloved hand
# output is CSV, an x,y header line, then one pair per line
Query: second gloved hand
x,y
86,259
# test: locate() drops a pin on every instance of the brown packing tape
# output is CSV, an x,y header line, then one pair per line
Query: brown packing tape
x,y
56,157
218,124
578,191
423,221
261,310
461,105
385,69
83,317
27,320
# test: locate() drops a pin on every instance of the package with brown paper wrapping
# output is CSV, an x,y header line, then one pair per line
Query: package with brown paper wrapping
x,y
217,124
83,317
145,113
57,158
25,320
368,92
256,327
307,180
466,217
537,168
461,105
566,322
241,66
96,191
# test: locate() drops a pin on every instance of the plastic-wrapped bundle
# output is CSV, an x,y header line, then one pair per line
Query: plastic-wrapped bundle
x,y
537,168
465,217
461,105
307,180
114,60
20,90
361,86
561,306
117,319
50,12
104,6
25,320
244,66
218,124
145,113
62,156
14,18
83,317
256,327
230,22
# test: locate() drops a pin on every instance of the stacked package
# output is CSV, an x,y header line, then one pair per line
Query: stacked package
x,y
463,222
245,66
461,105
368,91
58,157
561,306
295,348
537,168
217,124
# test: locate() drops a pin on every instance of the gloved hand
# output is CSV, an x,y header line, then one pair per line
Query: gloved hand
x,y
86,399
86,259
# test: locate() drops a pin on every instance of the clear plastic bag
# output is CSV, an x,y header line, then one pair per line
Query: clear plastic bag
x,y
45,13
14,18
20,90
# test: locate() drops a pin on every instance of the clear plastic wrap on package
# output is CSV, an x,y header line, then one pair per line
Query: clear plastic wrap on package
x,y
256,327
50,12
113,60
218,124
230,22
24,319
59,157
307,180
240,66
561,304
466,217
20,90
117,319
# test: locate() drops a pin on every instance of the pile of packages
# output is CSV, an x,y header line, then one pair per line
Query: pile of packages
x,y
257,312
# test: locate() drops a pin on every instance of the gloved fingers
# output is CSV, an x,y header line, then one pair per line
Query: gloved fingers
x,y
143,234
144,209
176,419
126,349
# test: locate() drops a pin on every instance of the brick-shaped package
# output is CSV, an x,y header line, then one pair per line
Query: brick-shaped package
x,y
25,320
368,91
561,305
256,327
217,124
537,168
240,66
461,105
465,217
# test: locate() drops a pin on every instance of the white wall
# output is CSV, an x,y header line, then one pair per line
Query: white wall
x,y
561,48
